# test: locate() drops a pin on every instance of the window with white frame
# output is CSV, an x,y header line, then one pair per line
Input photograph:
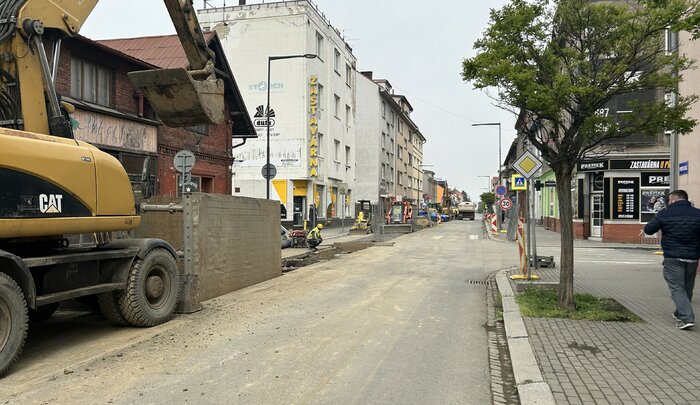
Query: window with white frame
x,y
320,101
337,150
336,110
348,115
347,156
383,109
336,60
90,82
319,44
348,75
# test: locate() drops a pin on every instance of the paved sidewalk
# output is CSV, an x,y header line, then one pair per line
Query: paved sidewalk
x,y
610,362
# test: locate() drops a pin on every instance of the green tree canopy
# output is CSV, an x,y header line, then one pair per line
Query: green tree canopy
x,y
560,62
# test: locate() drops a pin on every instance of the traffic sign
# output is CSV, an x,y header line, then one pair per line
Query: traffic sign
x,y
272,172
527,164
506,204
518,182
184,161
501,190
342,188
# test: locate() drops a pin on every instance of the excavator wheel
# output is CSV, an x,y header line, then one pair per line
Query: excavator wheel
x,y
14,320
151,290
109,307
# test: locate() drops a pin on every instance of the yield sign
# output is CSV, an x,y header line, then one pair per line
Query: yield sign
x,y
527,164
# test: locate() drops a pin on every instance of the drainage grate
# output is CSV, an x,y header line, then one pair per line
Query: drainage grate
x,y
478,282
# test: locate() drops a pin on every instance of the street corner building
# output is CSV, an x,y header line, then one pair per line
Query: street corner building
x,y
312,106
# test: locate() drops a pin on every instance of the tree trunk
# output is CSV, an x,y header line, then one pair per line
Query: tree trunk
x,y
566,220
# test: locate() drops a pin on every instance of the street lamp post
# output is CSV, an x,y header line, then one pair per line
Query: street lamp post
x,y
267,113
499,143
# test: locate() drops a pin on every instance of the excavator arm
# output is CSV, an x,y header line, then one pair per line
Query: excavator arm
x,y
28,97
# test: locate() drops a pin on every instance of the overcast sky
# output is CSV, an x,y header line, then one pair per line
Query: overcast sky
x,y
422,46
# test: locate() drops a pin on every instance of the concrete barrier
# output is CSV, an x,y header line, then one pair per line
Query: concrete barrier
x,y
236,240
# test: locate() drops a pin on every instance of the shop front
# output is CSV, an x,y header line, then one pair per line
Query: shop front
x,y
616,197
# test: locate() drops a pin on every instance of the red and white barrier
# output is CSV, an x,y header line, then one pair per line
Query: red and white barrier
x,y
521,246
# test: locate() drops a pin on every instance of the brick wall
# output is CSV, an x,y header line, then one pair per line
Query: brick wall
x,y
581,230
551,224
236,240
622,233
212,150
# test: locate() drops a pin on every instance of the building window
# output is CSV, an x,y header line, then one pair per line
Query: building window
x,y
320,144
400,153
383,109
383,140
319,45
410,137
383,171
670,41
336,110
347,115
336,61
336,154
400,179
401,126
90,82
347,156
320,101
202,129
348,75
410,160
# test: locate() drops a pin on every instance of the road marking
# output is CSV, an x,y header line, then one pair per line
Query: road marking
x,y
437,237
473,237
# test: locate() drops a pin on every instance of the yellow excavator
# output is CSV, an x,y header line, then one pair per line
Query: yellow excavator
x,y
53,185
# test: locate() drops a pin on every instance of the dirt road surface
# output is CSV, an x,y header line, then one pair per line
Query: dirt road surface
x,y
389,324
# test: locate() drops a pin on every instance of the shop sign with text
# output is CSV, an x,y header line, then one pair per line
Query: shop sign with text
x,y
313,126
641,164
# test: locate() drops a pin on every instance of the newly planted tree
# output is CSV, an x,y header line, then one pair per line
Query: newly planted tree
x,y
560,62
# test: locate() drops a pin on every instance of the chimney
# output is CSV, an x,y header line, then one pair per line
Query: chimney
x,y
367,74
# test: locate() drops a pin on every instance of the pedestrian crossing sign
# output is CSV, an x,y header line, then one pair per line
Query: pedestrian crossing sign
x,y
518,182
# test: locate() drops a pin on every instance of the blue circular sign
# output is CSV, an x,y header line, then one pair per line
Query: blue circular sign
x,y
501,190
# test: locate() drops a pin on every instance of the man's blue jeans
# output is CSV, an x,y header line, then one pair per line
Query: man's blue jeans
x,y
680,277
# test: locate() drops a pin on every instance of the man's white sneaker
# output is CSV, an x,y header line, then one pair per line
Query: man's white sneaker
x,y
684,325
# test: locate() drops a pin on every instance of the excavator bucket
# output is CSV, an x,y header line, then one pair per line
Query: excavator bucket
x,y
180,100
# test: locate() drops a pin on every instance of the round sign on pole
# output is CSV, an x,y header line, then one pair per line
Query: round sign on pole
x,y
501,190
273,172
184,161
506,204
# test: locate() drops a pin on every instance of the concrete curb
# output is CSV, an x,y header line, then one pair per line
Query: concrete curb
x,y
532,389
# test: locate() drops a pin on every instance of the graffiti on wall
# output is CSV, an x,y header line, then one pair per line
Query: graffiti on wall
x,y
101,129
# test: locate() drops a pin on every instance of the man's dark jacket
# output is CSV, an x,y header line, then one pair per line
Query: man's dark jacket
x,y
680,230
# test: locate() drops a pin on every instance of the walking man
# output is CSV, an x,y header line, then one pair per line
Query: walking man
x,y
679,224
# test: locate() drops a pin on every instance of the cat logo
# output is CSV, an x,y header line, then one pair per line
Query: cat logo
x,y
50,203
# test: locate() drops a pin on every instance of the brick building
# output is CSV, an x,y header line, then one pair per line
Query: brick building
x,y
211,144
108,115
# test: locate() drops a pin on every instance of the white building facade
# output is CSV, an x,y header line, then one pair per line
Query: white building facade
x,y
312,119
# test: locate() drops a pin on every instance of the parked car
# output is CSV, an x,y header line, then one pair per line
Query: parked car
x,y
433,216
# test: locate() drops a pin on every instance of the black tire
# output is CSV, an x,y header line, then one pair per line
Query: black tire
x,y
151,290
109,307
43,312
14,320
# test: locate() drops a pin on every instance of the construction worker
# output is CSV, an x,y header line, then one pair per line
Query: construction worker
x,y
314,238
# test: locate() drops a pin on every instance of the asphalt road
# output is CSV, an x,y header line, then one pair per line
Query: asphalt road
x,y
389,324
